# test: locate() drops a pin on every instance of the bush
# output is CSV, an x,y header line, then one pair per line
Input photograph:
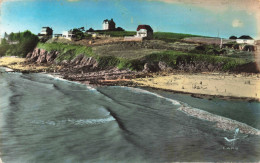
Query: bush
x,y
134,64
26,43
209,49
173,58
118,33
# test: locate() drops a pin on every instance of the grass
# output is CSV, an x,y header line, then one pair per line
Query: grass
x,y
119,33
172,37
171,58
67,51
165,36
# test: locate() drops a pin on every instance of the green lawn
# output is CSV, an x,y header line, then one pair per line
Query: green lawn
x,y
172,37
165,36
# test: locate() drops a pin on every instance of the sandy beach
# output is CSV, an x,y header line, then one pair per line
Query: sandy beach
x,y
18,64
224,85
213,84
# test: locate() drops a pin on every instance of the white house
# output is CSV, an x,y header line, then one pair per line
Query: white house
x,y
245,40
68,35
144,31
45,32
109,24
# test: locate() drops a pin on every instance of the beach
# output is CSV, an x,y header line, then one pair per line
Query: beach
x,y
224,85
242,86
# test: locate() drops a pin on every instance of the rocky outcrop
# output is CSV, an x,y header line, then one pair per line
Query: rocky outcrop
x,y
42,56
83,61
151,67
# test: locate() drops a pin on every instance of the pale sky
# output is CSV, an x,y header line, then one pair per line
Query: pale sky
x,y
202,17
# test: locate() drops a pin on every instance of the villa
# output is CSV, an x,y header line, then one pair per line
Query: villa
x,y
144,31
245,40
109,24
68,35
46,32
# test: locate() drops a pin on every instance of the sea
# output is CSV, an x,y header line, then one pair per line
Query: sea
x,y
45,119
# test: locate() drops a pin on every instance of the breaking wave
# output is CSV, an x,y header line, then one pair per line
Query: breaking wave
x,y
76,122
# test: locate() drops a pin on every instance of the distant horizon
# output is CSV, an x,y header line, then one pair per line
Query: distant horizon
x,y
162,16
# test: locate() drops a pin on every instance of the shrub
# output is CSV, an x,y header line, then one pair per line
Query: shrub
x,y
26,43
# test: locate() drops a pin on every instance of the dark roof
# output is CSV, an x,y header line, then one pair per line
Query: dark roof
x,y
246,37
147,27
109,21
233,37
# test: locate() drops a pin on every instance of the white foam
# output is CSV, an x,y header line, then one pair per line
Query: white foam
x,y
204,115
138,90
8,70
81,122
59,77
222,122
76,122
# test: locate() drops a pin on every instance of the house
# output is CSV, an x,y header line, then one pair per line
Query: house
x,y
57,35
109,24
6,36
232,37
46,32
245,40
68,35
8,40
144,31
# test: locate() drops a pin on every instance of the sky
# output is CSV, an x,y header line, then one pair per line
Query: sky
x,y
201,17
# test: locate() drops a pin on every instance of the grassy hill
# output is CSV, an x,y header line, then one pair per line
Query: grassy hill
x,y
170,57
165,36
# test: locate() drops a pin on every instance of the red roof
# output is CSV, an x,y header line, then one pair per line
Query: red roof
x,y
147,27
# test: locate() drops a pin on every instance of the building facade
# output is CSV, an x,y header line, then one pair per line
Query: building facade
x,y
68,35
245,40
46,31
144,31
109,24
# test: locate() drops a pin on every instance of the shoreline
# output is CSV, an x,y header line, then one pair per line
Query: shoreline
x,y
193,84
221,122
226,86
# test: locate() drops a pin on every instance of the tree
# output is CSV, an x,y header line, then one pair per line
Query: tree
x,y
26,43
120,29
78,33
82,29
90,30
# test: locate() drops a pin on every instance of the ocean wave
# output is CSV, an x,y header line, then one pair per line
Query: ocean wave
x,y
221,122
76,122
58,77
138,90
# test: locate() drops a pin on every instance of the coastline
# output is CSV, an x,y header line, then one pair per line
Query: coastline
x,y
221,122
226,86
